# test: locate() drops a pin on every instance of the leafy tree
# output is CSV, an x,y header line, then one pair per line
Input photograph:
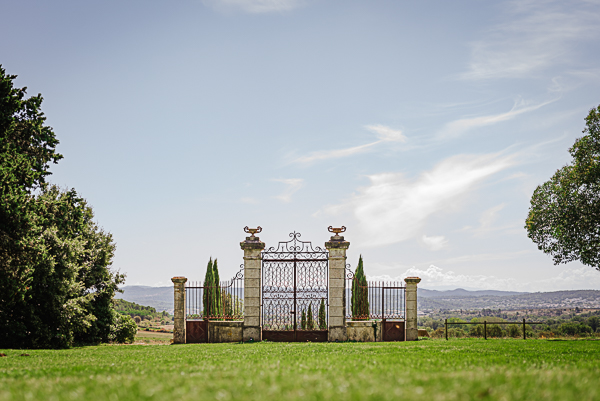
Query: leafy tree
x,y
322,317
573,328
360,293
564,216
207,294
56,285
593,322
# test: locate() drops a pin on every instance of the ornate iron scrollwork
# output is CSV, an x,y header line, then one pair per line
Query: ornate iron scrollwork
x,y
294,277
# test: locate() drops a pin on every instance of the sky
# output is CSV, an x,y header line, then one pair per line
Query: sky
x,y
422,127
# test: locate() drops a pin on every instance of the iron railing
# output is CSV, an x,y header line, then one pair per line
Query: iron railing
x,y
377,300
225,302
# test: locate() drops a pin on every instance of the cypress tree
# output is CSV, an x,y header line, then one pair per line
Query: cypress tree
x,y
322,319
218,300
310,323
360,293
207,297
303,321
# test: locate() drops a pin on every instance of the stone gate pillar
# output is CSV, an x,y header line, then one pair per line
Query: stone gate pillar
x,y
179,310
412,333
252,247
337,285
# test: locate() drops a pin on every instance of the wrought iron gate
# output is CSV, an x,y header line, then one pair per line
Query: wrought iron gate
x,y
295,291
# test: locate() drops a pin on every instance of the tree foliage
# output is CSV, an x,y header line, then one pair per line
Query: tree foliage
x,y
564,216
56,285
212,296
207,294
322,317
360,293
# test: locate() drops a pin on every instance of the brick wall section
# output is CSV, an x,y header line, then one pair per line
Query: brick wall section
x,y
179,304
252,247
337,287
412,333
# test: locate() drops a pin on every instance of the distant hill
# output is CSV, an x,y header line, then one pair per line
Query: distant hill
x,y
160,298
461,293
537,300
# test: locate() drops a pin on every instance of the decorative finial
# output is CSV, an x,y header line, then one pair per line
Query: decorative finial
x,y
253,231
336,231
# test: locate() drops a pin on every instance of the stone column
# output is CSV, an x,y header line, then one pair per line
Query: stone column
x,y
412,333
337,287
252,330
179,312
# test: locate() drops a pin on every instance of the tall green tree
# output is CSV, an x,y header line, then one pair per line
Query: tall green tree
x,y
322,317
564,216
310,322
207,294
303,320
217,295
56,284
360,293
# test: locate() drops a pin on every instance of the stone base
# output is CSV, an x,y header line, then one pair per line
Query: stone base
x,y
412,334
360,331
225,331
337,334
364,330
179,335
252,333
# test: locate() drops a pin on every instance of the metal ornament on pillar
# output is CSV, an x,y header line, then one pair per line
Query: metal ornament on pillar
x,y
337,248
252,247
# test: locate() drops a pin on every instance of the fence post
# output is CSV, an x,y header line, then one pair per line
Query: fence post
x,y
337,287
446,323
412,333
524,337
485,329
252,246
179,310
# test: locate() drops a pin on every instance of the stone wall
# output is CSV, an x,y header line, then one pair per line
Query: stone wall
x,y
225,331
364,331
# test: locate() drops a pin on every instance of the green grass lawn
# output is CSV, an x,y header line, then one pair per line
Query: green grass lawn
x,y
464,369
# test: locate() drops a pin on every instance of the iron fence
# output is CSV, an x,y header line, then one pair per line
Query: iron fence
x,y
222,302
485,323
377,300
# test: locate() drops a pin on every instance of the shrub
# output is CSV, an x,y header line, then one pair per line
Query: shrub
x,y
513,331
572,329
123,330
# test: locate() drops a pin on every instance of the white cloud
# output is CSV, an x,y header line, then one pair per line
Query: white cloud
x,y
393,208
254,6
385,134
537,35
458,127
292,185
333,154
581,277
488,217
435,243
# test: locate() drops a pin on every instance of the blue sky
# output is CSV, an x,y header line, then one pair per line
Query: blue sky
x,y
423,127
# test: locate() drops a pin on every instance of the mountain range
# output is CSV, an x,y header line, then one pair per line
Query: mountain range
x,y
161,298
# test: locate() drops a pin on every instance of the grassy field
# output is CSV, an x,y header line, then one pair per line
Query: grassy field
x,y
466,369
